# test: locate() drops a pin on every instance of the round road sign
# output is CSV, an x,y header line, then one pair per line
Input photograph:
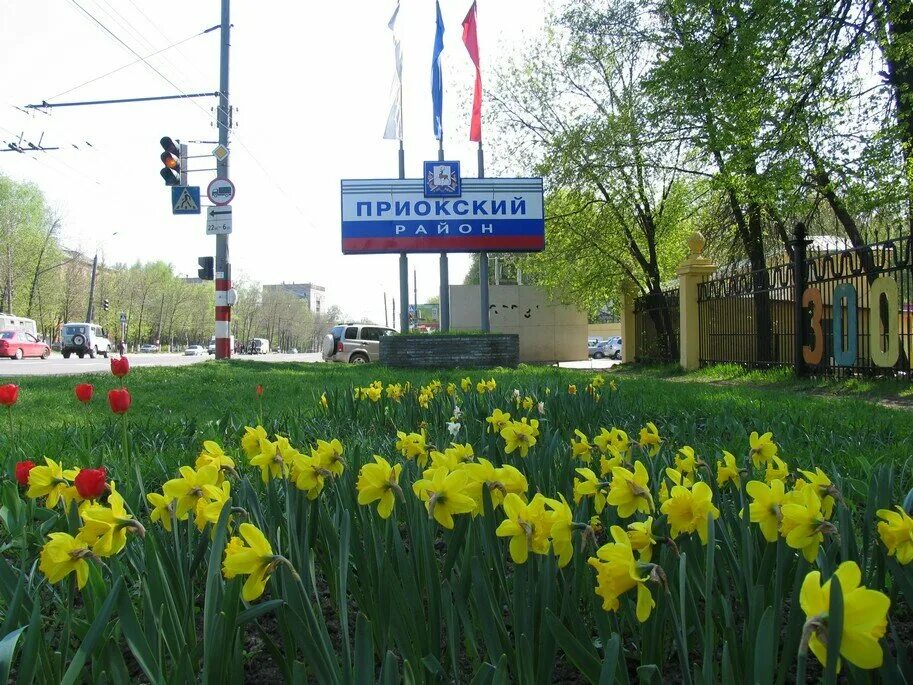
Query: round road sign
x,y
221,191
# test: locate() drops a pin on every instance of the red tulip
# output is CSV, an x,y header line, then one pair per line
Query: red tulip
x,y
119,399
84,392
22,472
120,367
259,391
90,483
9,394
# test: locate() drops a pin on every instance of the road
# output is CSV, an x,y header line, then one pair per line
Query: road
x,y
57,365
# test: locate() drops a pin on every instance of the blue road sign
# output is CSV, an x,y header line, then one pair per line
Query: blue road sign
x,y
185,199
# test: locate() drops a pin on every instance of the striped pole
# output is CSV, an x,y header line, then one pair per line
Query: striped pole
x,y
223,319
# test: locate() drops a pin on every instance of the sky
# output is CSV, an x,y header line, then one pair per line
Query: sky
x,y
310,84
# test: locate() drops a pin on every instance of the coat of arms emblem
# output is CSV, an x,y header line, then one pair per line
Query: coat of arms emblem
x,y
442,179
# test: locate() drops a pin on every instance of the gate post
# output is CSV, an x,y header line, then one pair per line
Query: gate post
x,y
628,323
695,269
800,274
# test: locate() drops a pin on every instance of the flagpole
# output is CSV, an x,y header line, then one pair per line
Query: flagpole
x,y
483,261
444,295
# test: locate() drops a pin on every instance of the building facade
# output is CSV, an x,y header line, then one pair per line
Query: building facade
x,y
313,294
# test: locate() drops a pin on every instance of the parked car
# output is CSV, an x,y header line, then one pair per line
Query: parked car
x,y
610,348
354,343
149,347
85,339
194,350
18,344
212,347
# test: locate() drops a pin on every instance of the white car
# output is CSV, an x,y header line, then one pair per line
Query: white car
x,y
84,339
195,351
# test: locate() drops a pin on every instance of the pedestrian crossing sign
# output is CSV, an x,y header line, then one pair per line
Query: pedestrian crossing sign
x,y
185,199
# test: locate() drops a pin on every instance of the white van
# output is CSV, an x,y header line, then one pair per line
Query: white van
x,y
258,346
18,323
84,339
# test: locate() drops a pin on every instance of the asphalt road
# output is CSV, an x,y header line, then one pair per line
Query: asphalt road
x,y
57,365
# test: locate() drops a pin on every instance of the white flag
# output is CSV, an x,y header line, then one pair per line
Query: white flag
x,y
394,129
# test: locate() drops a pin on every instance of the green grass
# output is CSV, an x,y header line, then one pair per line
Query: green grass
x,y
174,409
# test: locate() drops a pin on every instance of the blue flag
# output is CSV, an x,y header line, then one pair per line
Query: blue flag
x,y
437,81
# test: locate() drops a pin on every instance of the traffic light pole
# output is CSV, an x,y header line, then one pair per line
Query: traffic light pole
x,y
223,265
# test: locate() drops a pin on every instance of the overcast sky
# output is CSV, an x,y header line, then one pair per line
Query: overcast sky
x,y
310,83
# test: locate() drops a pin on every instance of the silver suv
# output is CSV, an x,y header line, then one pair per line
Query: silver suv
x,y
84,339
355,343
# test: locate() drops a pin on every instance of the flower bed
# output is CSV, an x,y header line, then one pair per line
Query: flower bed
x,y
460,529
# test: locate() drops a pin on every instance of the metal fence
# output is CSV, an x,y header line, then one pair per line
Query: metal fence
x,y
656,321
851,308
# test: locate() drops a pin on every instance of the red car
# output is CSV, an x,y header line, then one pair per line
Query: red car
x,y
18,344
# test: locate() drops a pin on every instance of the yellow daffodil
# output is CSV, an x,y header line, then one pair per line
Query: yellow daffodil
x,y
497,421
687,509
823,488
413,446
250,442
598,381
763,448
323,401
209,508
520,435
451,389
394,391
62,555
270,461
250,555
444,495
617,572
466,384
187,490
896,532
776,469
309,474
105,527
329,453
563,527
630,492
498,481
162,509
212,453
527,525
379,482
572,390
727,471
649,439
765,509
528,403
865,616
640,533
685,461
486,386
581,448
803,524
590,486
609,461
51,481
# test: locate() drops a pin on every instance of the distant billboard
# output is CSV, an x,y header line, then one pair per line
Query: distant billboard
x,y
410,215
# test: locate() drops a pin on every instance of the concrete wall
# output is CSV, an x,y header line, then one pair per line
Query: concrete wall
x,y
549,331
449,351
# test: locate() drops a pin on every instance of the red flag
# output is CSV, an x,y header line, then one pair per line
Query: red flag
x,y
471,41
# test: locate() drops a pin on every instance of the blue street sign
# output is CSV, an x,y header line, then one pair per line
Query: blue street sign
x,y
185,199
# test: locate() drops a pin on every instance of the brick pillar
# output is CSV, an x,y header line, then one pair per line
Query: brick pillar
x,y
695,269
628,329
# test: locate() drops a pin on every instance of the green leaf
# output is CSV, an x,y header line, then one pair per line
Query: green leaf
x,y
610,661
834,630
582,657
364,651
136,639
7,648
763,652
389,674
74,672
212,601
257,610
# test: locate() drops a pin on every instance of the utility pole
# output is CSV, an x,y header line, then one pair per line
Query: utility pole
x,y
415,292
223,265
91,311
386,320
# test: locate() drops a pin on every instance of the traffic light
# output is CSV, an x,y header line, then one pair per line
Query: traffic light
x,y
106,304
171,158
205,271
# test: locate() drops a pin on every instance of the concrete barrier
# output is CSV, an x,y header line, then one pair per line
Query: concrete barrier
x,y
450,351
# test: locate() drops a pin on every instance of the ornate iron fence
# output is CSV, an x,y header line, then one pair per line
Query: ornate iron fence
x,y
656,320
822,311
